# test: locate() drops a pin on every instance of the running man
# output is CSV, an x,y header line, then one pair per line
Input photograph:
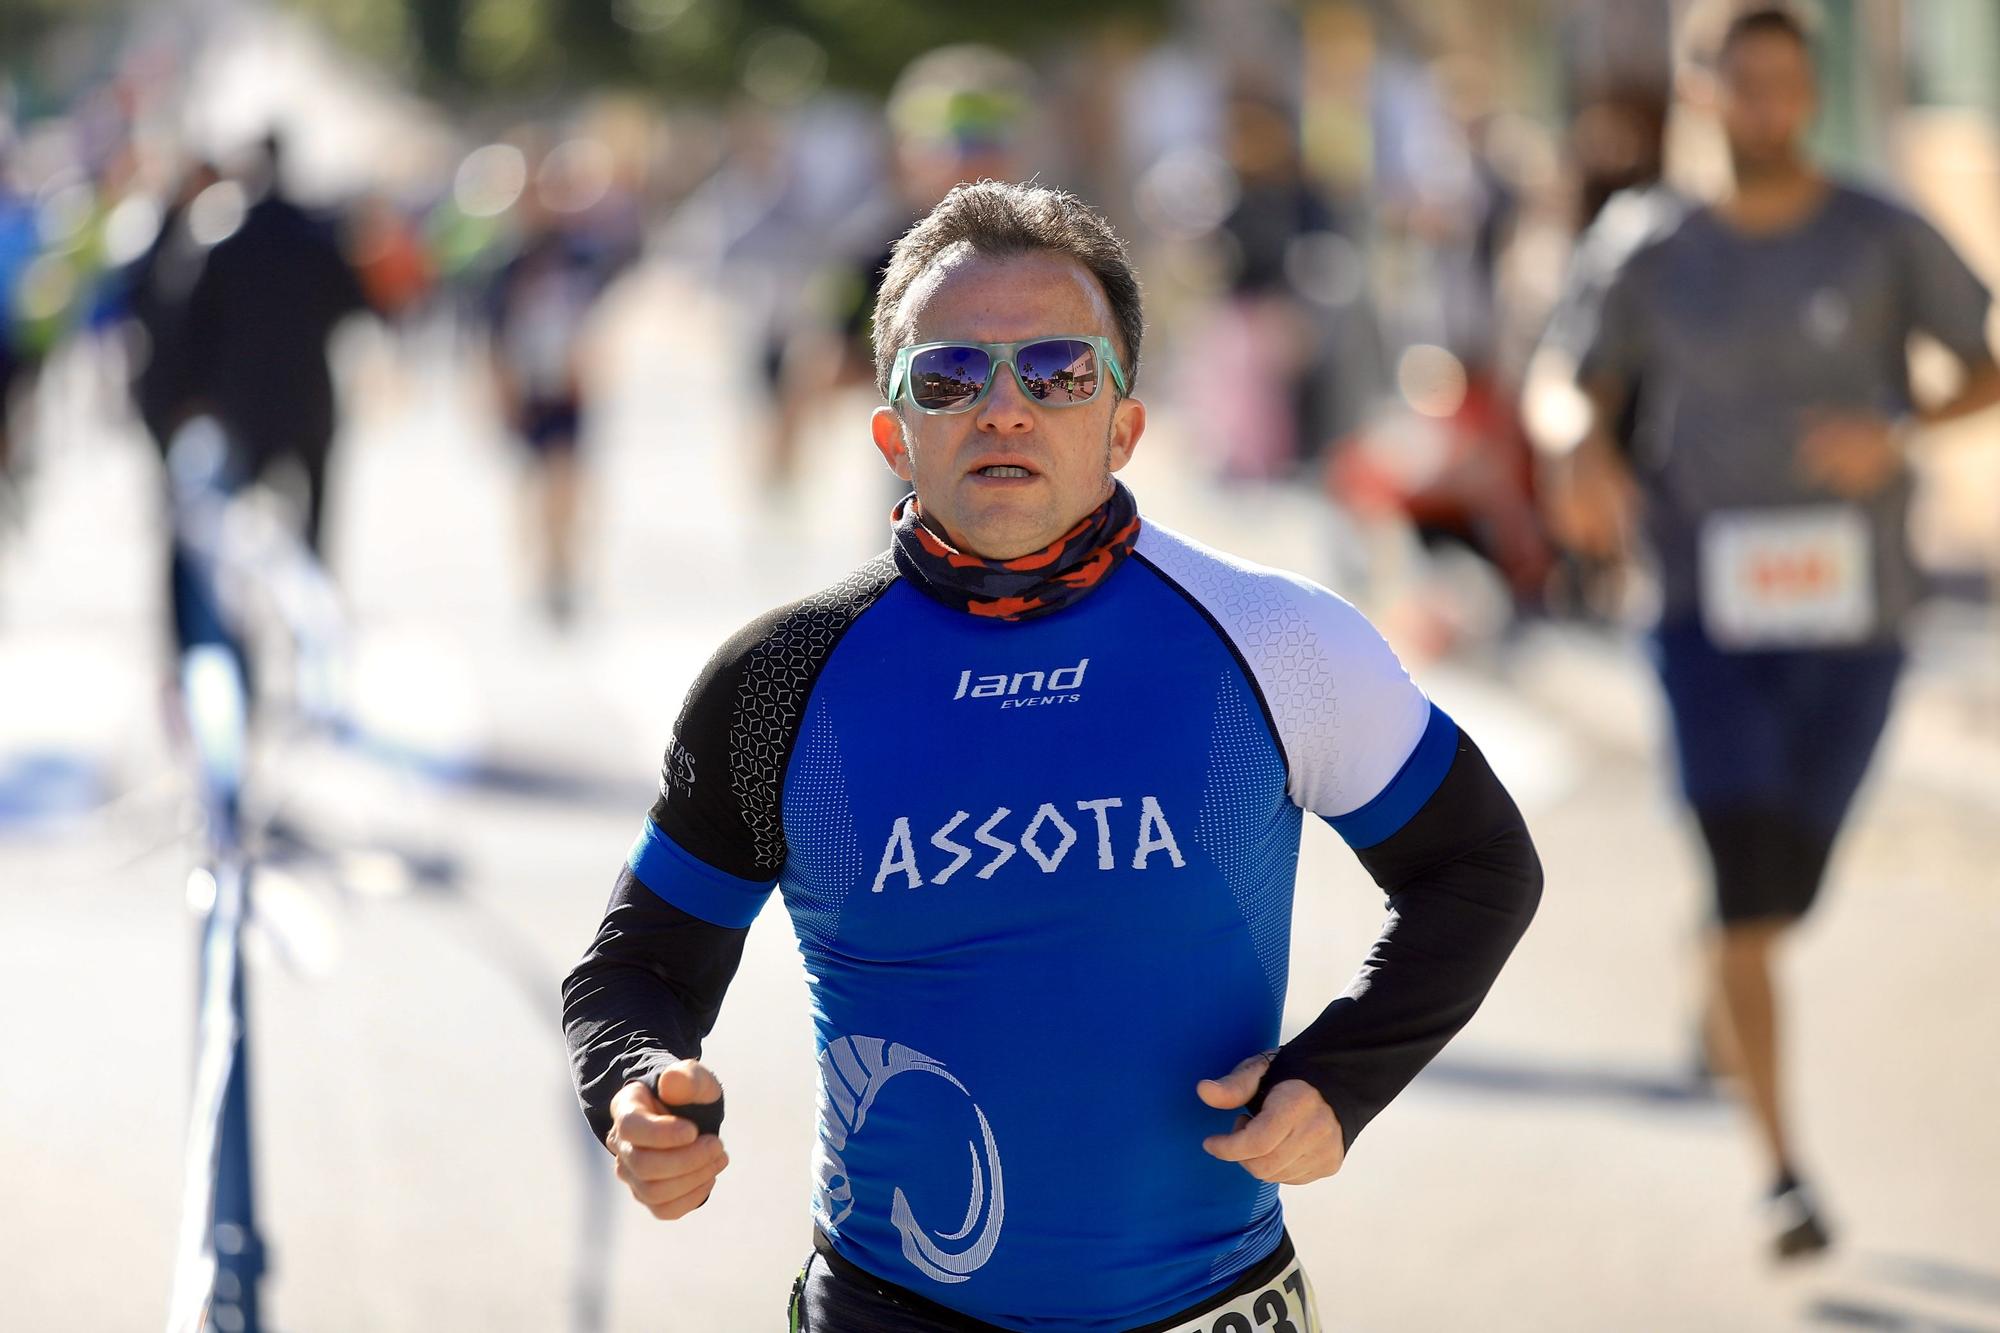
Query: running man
x,y
1031,784
1757,347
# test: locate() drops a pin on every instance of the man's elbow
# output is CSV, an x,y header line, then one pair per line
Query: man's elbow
x,y
1528,880
573,983
1504,876
583,996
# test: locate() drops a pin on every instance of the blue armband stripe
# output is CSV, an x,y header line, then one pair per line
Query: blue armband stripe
x,y
678,877
1414,784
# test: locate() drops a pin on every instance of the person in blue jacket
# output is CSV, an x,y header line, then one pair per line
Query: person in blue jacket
x,y
1031,784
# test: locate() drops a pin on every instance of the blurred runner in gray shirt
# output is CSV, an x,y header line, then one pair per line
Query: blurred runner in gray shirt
x,y
1754,355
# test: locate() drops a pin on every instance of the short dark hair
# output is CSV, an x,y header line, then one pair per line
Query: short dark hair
x,y
1000,220
1763,21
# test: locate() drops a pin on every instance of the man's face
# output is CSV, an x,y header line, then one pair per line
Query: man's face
x,y
1069,453
1768,100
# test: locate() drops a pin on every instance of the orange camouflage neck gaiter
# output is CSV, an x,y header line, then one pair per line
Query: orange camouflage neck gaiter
x,y
1027,586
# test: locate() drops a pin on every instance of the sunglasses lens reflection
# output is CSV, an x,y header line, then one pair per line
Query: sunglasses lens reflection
x,y
948,379
1056,371
1060,371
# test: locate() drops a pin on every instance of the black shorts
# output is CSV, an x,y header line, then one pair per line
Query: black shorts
x,y
550,425
1767,864
1771,748
832,1295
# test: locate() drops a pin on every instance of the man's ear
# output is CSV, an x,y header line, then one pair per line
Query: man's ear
x,y
1128,423
887,428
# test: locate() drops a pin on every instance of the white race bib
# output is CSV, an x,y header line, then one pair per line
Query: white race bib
x,y
1283,1305
1788,578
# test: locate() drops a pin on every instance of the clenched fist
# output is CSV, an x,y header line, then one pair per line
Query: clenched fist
x,y
664,1159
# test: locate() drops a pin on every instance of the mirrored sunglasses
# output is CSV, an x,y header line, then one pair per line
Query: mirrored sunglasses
x,y
1064,371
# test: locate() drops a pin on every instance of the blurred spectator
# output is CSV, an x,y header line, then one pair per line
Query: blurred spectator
x,y
269,295
1443,451
1618,81
1761,345
157,289
539,308
1445,205
1263,348
1450,459
956,115
386,247
19,245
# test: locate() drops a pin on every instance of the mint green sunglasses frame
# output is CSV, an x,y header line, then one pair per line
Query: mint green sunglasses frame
x,y
998,354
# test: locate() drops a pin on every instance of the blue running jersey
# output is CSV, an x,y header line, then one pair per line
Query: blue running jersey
x,y
1041,877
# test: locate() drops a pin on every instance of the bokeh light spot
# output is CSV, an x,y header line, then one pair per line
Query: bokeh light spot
x,y
490,180
1431,380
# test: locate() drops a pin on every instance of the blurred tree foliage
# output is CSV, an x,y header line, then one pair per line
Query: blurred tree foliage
x,y
23,22
697,47
34,64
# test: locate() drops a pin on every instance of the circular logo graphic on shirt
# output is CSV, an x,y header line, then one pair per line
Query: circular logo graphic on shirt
x,y
853,1071
1826,316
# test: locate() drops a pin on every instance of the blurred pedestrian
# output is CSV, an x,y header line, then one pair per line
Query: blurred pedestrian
x,y
20,245
1261,412
1760,345
157,288
957,114
271,291
539,309
1085,866
386,246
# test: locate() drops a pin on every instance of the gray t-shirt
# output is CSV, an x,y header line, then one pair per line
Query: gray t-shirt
x,y
1731,343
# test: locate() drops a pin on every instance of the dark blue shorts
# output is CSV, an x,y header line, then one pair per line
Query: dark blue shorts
x,y
1771,747
550,425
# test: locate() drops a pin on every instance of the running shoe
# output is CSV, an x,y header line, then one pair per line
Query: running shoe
x,y
1797,1229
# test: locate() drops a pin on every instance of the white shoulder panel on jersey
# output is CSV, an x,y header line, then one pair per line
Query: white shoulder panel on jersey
x,y
1347,714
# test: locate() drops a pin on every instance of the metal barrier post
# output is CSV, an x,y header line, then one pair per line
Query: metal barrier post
x,y
239,1249
221,1255
220,1258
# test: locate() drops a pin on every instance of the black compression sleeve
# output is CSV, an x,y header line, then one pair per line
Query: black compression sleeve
x,y
1463,882
644,994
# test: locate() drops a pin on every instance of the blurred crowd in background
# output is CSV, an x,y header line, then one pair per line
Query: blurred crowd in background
x,y
1354,218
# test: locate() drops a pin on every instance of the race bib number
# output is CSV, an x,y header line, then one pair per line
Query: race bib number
x,y
1787,578
1285,1305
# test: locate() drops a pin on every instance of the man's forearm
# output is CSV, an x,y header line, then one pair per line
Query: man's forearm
x,y
1979,391
644,995
1463,882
